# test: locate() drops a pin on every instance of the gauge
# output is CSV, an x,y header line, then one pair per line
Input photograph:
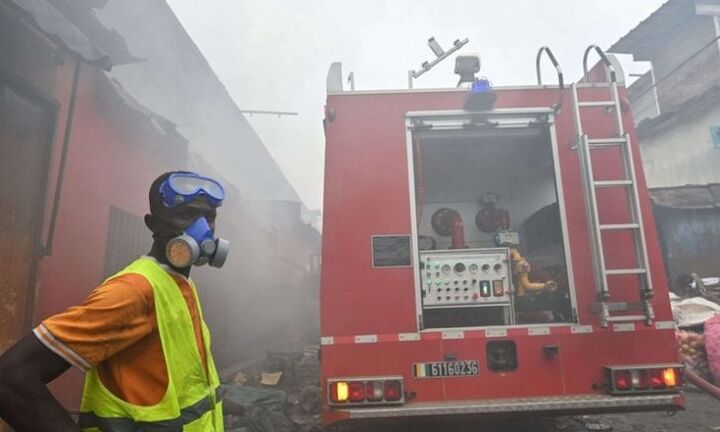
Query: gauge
x,y
459,268
445,269
473,268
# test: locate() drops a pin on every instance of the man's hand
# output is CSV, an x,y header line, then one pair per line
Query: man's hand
x,y
25,402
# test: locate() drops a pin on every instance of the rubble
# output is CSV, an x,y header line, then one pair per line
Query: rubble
x,y
280,393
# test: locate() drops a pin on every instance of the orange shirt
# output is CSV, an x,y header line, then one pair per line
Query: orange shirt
x,y
115,329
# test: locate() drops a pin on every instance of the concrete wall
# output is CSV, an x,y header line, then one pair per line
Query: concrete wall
x,y
683,154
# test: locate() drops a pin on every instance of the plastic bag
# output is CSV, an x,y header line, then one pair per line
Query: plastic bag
x,y
712,346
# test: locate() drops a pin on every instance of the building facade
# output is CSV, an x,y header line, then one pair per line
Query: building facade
x,y
677,107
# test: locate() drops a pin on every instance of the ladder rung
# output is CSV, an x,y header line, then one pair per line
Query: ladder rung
x,y
619,226
612,183
625,271
622,318
604,104
605,142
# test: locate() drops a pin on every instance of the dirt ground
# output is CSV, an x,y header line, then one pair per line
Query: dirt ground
x,y
702,414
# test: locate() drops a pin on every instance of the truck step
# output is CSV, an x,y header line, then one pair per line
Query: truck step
x,y
625,271
601,104
626,318
620,226
612,183
605,142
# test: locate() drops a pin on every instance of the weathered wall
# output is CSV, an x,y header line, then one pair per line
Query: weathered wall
x,y
684,154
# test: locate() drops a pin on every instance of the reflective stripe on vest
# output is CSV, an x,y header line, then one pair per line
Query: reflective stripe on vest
x,y
120,424
190,403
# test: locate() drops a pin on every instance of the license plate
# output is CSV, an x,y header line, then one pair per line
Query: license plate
x,y
446,369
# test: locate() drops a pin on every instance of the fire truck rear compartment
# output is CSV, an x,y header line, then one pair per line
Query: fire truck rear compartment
x,y
498,186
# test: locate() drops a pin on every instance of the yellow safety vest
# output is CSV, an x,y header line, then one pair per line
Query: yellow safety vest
x,y
191,402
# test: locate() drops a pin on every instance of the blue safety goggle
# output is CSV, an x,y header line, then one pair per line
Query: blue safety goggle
x,y
180,188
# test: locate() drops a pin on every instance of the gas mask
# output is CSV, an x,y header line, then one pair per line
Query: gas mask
x,y
197,246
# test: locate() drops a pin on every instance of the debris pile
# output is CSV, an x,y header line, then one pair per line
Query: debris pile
x,y
278,394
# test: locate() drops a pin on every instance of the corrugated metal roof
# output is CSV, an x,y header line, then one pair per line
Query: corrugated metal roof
x,y
73,25
645,36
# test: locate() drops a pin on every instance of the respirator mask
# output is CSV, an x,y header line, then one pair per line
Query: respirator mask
x,y
196,245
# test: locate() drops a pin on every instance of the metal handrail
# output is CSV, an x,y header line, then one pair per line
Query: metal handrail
x,y
605,60
556,65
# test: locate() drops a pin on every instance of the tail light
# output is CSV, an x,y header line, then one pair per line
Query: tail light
x,y
339,392
374,391
357,391
622,380
363,391
643,379
393,391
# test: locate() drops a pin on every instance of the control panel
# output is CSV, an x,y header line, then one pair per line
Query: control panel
x,y
465,277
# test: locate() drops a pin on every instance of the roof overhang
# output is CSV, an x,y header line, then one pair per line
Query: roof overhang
x,y
648,36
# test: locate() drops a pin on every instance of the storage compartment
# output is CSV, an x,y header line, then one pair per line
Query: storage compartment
x,y
487,204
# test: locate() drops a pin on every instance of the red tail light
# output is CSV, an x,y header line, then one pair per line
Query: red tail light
x,y
656,379
357,392
622,380
393,390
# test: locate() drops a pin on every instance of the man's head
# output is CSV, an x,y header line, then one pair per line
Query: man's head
x,y
179,200
166,221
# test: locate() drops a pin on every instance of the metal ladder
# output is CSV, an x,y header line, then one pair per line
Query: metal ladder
x,y
586,146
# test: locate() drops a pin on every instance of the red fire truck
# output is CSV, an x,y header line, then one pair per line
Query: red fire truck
x,y
490,251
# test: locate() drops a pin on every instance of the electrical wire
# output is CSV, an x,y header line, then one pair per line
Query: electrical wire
x,y
680,66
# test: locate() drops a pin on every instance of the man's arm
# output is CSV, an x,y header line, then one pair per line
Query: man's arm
x,y
25,402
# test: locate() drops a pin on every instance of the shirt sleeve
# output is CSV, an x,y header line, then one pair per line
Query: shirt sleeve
x,y
114,316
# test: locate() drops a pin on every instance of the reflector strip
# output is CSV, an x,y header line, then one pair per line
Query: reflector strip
x,y
665,325
624,327
453,335
419,370
581,329
491,333
538,331
366,339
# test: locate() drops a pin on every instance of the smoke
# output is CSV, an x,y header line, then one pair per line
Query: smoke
x,y
265,296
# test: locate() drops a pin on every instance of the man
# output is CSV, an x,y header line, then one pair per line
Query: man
x,y
140,336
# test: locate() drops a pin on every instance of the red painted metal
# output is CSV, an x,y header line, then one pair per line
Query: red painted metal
x,y
367,193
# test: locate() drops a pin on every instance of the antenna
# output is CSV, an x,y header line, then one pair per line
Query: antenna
x,y
440,55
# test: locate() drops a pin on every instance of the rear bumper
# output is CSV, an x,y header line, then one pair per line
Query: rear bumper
x,y
566,404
